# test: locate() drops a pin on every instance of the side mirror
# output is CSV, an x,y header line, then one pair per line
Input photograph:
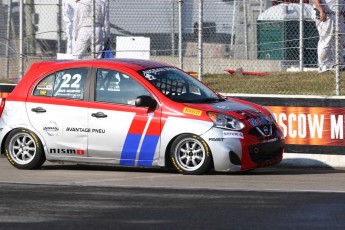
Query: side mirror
x,y
146,101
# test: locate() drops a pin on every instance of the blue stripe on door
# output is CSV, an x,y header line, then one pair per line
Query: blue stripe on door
x,y
147,150
129,150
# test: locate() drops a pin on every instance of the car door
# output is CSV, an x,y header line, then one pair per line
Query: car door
x,y
58,112
120,131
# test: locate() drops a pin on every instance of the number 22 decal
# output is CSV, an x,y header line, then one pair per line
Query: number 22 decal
x,y
71,81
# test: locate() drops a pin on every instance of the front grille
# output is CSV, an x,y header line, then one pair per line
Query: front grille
x,y
263,131
266,151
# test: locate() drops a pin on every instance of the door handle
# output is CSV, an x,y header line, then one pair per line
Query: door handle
x,y
38,110
99,115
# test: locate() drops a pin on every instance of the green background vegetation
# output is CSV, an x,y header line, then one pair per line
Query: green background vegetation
x,y
291,83
295,83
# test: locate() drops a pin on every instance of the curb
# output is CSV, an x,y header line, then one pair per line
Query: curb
x,y
313,160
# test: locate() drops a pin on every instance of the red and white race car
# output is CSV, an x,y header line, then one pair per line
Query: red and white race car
x,y
134,113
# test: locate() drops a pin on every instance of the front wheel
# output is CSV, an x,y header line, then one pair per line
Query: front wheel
x,y
190,155
24,149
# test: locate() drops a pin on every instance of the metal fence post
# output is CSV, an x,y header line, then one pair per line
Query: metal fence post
x,y
200,48
172,28
245,28
301,42
337,77
9,9
93,45
21,48
59,22
180,33
234,14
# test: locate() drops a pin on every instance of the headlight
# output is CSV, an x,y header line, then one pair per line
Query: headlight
x,y
225,122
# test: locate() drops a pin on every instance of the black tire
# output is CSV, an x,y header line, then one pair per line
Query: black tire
x,y
190,155
24,149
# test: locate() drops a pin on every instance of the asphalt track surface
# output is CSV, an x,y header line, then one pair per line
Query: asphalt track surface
x,y
102,197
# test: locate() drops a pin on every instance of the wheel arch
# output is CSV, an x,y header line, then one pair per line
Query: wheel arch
x,y
3,142
29,152
22,127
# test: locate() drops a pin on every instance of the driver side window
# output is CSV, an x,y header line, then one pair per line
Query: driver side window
x,y
116,87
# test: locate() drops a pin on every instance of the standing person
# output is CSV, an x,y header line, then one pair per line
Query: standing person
x,y
68,9
325,24
83,30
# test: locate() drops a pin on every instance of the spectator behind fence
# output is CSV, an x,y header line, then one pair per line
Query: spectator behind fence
x,y
325,24
83,27
68,14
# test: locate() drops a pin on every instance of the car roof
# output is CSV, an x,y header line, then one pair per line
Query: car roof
x,y
38,68
134,64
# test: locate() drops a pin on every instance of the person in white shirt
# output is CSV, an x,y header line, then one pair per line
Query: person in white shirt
x,y
68,9
325,24
83,27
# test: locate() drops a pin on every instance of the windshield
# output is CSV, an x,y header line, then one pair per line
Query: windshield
x,y
179,86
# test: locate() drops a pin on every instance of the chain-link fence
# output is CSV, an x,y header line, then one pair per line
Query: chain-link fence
x,y
258,40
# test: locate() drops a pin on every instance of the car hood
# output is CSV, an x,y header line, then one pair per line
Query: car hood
x,y
235,107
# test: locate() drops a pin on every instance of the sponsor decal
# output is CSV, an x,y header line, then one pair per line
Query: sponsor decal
x,y
150,73
67,151
84,130
73,93
97,130
47,86
216,139
43,92
264,120
52,129
270,140
149,77
233,134
191,111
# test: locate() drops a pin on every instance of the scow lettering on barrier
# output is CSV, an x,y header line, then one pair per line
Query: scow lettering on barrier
x,y
311,125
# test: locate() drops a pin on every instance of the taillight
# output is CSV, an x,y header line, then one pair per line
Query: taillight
x,y
2,105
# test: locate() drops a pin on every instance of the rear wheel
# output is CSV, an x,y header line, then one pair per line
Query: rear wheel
x,y
24,149
190,155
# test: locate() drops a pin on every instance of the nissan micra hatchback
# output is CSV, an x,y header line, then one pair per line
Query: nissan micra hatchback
x,y
133,113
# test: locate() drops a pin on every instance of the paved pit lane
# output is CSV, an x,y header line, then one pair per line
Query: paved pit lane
x,y
90,197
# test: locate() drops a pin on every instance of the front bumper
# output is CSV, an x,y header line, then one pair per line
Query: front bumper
x,y
235,154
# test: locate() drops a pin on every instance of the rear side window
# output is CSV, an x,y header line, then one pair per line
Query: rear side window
x,y
67,83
